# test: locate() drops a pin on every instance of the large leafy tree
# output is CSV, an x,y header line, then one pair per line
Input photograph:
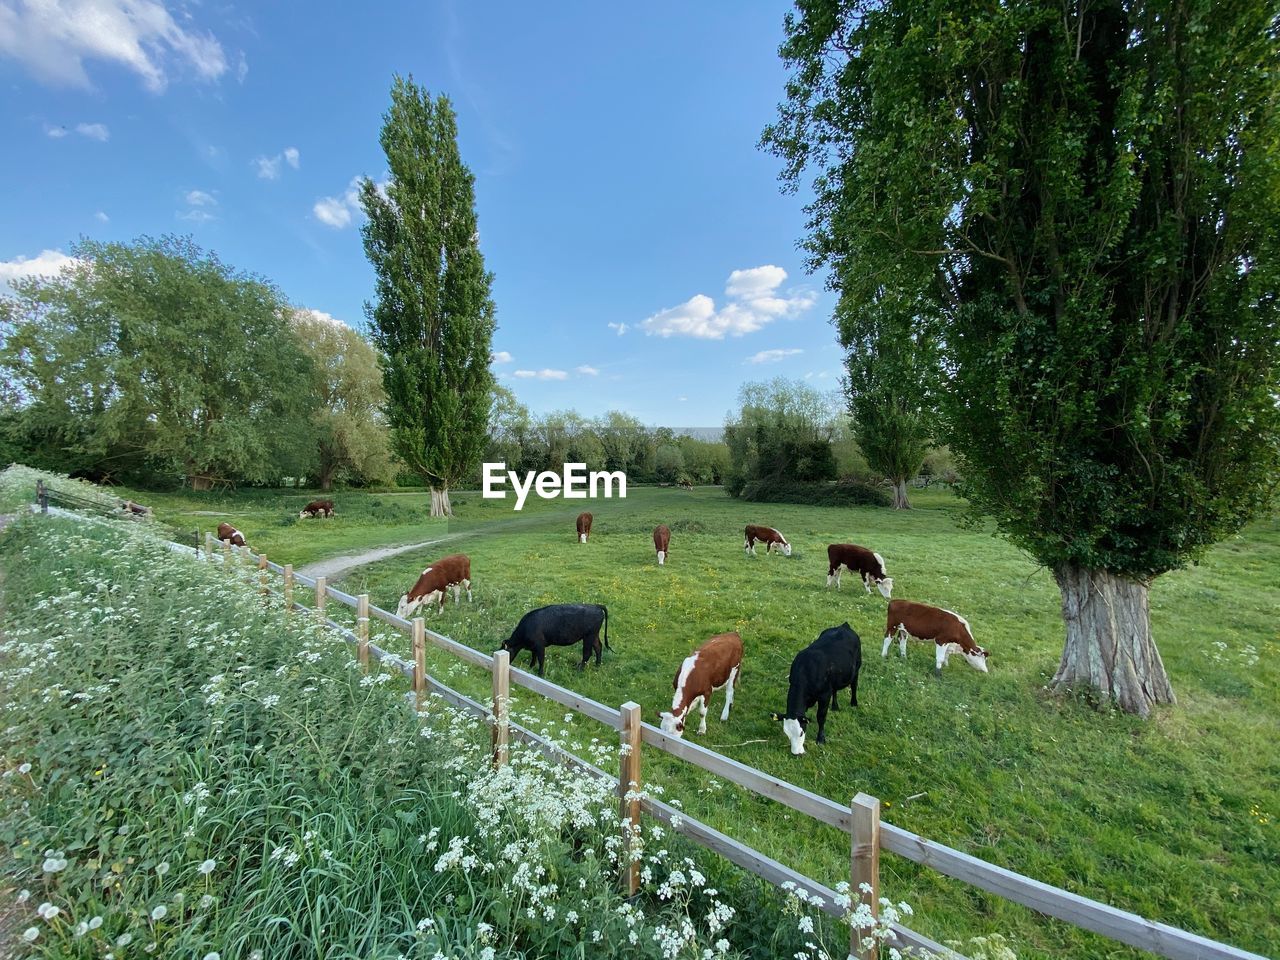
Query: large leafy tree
x,y
157,355
893,371
1088,196
433,315
782,430
351,436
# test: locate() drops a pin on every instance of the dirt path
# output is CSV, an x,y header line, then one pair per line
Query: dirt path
x,y
333,568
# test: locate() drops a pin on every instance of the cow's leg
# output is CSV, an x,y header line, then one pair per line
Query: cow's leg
x,y
866,581
748,546
823,704
728,694
940,659
902,641
467,585
541,652
888,639
704,707
853,690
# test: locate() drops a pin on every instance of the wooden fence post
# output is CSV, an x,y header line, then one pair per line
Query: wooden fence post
x,y
629,793
419,664
362,630
288,589
321,596
208,545
42,496
501,707
226,552
864,868
262,577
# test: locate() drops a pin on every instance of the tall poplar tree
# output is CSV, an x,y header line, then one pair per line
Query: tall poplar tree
x,y
1088,196
433,316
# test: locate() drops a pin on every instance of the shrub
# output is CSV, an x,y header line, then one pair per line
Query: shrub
x,y
846,493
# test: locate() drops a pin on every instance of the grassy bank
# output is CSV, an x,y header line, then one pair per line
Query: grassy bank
x,y
189,774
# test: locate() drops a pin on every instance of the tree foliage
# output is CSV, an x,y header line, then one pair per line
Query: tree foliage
x,y
1088,198
433,314
157,356
352,442
782,430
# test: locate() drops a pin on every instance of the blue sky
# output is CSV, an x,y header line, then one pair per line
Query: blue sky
x,y
644,256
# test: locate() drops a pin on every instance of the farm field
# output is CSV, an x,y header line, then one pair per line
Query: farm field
x,y
1177,819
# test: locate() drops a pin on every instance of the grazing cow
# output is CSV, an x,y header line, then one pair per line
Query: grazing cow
x,y
317,508
662,542
769,537
948,630
559,625
227,532
861,561
686,485
584,527
818,673
454,571
713,665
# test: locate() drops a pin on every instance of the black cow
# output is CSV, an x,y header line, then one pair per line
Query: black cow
x,y
818,673
559,625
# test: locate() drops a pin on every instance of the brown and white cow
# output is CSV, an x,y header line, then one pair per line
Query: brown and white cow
x,y
948,630
769,537
860,561
662,542
454,571
584,527
227,532
713,666
317,508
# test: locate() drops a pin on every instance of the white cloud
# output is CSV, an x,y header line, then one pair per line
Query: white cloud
x,y
199,207
338,212
312,314
587,371
269,167
242,68
753,303
772,356
101,216
94,131
542,374
54,38
620,327
500,357
45,264
814,375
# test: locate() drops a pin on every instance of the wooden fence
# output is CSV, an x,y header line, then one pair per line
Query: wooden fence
x,y
868,834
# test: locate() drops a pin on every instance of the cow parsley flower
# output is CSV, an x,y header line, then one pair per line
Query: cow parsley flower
x,y
206,868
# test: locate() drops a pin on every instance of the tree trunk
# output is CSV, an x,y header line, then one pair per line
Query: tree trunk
x,y
440,502
326,478
900,501
1109,647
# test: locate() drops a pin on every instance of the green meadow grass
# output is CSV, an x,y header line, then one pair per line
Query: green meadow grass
x,y
1176,818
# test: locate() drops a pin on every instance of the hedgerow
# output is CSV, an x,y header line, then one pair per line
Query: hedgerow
x,y
189,772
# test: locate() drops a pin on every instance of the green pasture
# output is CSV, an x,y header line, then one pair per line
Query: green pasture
x,y
1177,818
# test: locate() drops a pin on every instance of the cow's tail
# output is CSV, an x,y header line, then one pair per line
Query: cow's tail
x,y
606,626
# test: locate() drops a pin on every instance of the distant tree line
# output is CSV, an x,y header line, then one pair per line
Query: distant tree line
x,y
614,441
157,363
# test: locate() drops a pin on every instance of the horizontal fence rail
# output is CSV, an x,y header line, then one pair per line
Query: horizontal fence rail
x,y
1080,911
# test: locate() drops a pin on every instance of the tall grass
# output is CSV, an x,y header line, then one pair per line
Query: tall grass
x,y
191,773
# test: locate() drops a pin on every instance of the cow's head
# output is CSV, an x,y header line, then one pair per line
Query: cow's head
x,y
977,658
302,513
885,586
671,724
793,727
786,549
405,608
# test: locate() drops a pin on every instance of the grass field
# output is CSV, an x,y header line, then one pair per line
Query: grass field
x,y
1177,818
